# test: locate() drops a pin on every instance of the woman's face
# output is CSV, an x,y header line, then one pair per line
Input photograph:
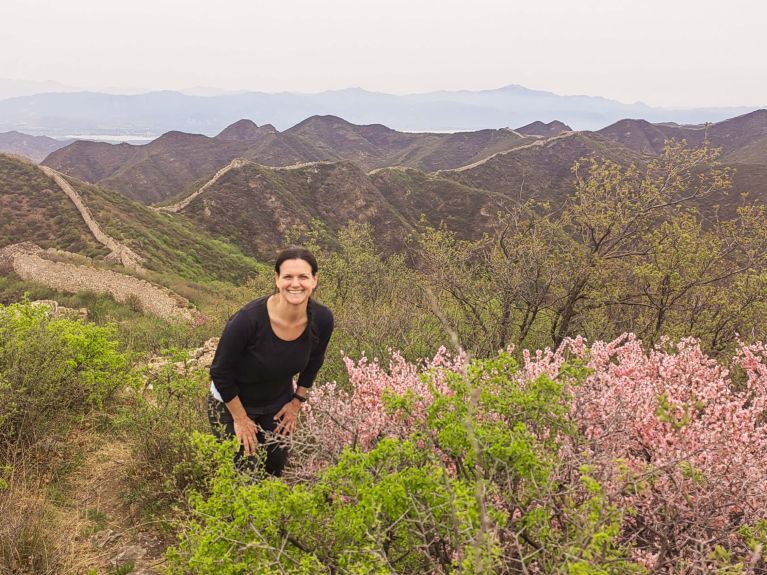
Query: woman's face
x,y
295,282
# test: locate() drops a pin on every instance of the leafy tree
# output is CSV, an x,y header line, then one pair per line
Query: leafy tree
x,y
628,251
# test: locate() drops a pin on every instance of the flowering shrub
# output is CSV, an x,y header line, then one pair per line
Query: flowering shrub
x,y
602,459
680,444
336,418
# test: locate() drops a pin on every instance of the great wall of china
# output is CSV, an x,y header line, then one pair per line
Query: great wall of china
x,y
236,163
31,262
120,252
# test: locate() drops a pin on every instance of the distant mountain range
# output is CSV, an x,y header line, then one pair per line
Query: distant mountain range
x,y
329,169
33,147
61,114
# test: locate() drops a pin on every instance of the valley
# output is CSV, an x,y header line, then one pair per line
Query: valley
x,y
537,238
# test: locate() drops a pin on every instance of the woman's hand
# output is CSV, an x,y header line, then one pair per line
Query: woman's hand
x,y
287,417
245,429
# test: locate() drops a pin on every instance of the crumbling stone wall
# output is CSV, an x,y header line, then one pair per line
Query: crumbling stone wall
x,y
28,261
236,163
120,252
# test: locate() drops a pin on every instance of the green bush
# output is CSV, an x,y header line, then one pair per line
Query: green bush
x,y
51,370
166,410
476,487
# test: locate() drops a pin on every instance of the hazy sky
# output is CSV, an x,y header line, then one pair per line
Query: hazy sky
x,y
662,52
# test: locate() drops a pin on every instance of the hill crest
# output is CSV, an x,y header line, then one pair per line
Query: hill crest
x,y
245,130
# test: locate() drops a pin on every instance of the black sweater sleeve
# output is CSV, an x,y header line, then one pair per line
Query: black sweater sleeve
x,y
324,323
239,331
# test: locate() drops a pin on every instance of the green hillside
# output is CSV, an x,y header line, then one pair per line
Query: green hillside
x,y
256,207
170,242
34,209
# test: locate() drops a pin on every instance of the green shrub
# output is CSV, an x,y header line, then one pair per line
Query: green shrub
x,y
166,410
52,370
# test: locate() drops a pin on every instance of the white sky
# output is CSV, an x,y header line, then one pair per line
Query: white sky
x,y
663,52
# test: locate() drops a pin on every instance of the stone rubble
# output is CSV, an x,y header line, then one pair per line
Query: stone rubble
x,y
199,358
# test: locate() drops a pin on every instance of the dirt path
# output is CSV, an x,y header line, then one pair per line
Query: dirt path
x,y
120,252
103,532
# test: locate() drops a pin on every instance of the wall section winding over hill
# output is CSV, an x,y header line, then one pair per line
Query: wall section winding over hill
x,y
120,252
30,263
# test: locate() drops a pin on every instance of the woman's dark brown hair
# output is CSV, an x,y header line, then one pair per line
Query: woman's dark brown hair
x,y
296,253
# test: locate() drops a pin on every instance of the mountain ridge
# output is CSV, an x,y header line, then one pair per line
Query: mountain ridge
x,y
35,148
170,165
59,114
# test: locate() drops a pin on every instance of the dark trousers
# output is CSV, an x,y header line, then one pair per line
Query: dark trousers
x,y
222,424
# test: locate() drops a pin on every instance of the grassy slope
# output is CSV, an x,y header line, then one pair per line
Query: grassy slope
x,y
466,210
170,242
541,171
257,207
34,209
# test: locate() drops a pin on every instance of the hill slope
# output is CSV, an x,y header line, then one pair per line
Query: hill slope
x,y
743,139
539,128
33,147
33,208
541,170
151,172
256,207
170,165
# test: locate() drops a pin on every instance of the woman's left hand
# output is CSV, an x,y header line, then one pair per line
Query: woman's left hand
x,y
287,417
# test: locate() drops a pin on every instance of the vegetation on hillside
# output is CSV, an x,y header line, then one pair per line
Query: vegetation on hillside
x,y
628,251
602,453
33,209
170,243
53,374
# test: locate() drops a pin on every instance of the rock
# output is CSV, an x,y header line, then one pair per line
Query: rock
x,y
104,538
57,310
53,305
130,554
202,357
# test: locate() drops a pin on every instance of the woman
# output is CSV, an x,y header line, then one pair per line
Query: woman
x,y
263,346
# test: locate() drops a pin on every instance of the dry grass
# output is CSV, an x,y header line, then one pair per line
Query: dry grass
x,y
74,524
31,541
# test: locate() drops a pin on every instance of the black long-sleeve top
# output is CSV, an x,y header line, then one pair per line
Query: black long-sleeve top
x,y
253,363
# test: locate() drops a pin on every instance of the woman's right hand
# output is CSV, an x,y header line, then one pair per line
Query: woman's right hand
x,y
245,429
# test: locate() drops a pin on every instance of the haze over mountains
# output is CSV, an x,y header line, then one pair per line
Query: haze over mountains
x,y
247,167
64,114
